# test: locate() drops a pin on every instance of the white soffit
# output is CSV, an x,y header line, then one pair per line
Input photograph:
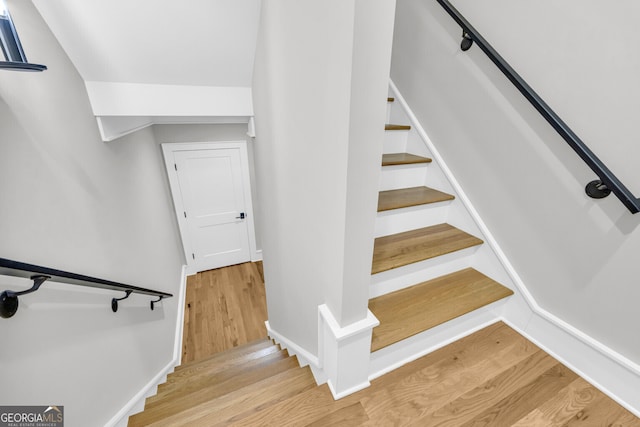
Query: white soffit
x,y
159,61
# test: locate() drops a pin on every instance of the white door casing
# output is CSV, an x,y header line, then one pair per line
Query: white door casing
x,y
212,199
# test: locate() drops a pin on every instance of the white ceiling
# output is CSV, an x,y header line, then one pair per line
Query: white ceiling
x,y
184,42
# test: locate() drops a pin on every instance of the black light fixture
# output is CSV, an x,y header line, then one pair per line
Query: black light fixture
x,y
14,56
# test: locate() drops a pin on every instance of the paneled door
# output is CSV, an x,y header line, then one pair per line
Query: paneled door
x,y
211,204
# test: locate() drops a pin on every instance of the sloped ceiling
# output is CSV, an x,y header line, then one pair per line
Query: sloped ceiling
x,y
184,42
179,61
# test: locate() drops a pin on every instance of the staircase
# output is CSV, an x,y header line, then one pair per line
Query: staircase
x,y
429,270
427,255
229,387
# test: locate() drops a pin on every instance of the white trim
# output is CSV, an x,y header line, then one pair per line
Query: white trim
x,y
256,256
344,393
304,357
560,339
168,151
351,330
136,403
116,127
140,100
133,406
182,296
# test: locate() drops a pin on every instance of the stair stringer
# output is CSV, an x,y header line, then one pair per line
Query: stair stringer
x,y
611,372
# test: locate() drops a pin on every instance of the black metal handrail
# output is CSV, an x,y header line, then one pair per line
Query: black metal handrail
x,y
39,274
607,182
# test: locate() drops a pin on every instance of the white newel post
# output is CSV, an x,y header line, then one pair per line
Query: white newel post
x,y
345,352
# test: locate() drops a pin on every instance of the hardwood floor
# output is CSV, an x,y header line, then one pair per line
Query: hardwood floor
x,y
224,308
494,377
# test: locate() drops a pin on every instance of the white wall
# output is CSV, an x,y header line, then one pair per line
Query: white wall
x,y
72,202
311,126
577,256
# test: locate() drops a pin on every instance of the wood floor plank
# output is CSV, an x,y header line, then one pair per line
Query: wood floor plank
x,y
471,404
406,197
397,159
396,127
401,249
302,409
418,308
561,408
510,409
350,416
431,382
224,308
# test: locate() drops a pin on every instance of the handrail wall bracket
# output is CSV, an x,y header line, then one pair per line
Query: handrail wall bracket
x,y
114,301
467,41
153,302
9,299
597,189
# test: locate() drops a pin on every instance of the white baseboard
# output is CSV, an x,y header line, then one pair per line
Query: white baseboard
x,y
136,403
337,395
177,344
304,357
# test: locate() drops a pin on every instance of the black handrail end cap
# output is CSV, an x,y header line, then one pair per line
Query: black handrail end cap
x,y
8,305
597,190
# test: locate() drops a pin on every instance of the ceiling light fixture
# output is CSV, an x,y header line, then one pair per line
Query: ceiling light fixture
x,y
14,56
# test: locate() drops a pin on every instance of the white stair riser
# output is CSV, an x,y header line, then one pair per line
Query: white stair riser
x,y
388,118
404,176
412,274
395,141
411,218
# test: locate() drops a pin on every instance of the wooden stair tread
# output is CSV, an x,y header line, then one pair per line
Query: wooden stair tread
x,y
405,197
192,383
390,99
418,308
300,410
239,351
396,127
243,402
412,246
189,398
394,159
219,369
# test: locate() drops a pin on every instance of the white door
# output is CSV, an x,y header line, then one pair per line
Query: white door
x,y
212,193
